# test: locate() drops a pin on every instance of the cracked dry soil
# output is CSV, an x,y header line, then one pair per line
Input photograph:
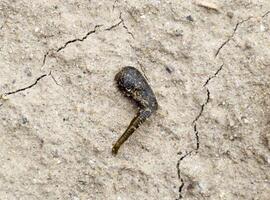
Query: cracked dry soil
x,y
61,111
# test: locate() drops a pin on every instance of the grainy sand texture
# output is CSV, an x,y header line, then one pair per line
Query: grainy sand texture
x,y
207,61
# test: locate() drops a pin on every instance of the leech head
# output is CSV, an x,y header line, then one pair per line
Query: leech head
x,y
133,84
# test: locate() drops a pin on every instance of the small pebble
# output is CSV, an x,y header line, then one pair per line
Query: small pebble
x,y
190,18
230,14
28,72
207,5
24,120
169,69
262,27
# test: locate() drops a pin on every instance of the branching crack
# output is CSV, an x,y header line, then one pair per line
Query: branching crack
x,y
67,43
121,21
78,39
196,132
234,31
125,27
115,25
27,87
3,96
54,80
231,36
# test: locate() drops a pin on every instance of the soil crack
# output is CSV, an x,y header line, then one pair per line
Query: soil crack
x,y
235,29
67,43
27,87
78,39
114,26
196,132
45,56
231,36
125,27
215,74
264,15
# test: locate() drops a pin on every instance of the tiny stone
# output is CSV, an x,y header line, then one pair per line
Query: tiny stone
x,y
24,120
169,69
178,33
3,97
28,72
268,160
262,27
190,18
207,5
247,45
245,121
230,14
65,119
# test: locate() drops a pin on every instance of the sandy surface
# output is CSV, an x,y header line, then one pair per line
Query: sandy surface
x,y
208,63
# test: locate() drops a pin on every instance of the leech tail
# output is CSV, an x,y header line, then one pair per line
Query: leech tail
x,y
134,124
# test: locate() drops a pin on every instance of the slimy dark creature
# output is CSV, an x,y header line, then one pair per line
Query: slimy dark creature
x,y
132,83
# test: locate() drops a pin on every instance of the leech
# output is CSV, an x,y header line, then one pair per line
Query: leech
x,y
132,83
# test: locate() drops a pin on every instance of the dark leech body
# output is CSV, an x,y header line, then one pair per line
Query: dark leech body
x,y
133,84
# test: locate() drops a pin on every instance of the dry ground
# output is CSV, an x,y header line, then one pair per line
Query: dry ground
x,y
208,63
